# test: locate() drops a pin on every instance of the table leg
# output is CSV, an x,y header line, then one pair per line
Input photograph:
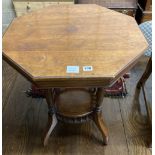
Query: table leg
x,y
97,118
140,84
52,120
146,74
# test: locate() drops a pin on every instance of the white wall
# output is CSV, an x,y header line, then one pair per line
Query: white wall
x,y
8,13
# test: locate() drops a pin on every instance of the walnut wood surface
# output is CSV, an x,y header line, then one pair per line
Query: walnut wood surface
x,y
74,103
42,46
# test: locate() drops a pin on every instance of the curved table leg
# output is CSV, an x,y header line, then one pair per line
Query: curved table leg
x,y
141,83
52,120
101,126
146,74
97,117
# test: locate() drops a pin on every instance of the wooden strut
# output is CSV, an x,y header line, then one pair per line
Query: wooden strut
x,y
52,120
97,115
141,84
146,74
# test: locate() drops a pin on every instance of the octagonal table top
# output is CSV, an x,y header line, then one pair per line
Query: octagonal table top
x,y
51,46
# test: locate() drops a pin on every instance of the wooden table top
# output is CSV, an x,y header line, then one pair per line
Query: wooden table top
x,y
41,44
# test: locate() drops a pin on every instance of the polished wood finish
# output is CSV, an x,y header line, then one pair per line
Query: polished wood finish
x,y
42,50
24,120
62,37
74,103
75,106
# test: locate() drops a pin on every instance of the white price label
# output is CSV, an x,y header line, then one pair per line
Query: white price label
x,y
87,68
72,69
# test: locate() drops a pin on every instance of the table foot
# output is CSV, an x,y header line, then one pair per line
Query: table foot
x,y
97,118
52,121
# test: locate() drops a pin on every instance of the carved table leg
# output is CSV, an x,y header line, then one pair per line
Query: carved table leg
x,y
98,116
101,126
52,120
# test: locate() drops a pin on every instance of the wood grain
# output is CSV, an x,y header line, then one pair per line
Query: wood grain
x,y
62,37
74,103
133,111
8,81
24,121
14,115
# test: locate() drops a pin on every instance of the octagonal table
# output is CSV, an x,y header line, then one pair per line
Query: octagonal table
x,y
87,47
